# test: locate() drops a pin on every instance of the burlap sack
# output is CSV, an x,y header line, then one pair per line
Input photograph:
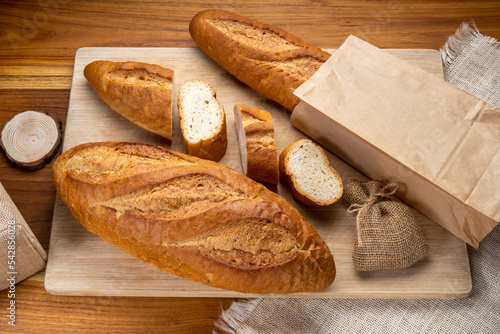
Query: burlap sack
x,y
21,255
387,235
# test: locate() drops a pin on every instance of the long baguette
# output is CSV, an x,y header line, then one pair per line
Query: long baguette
x,y
265,57
193,218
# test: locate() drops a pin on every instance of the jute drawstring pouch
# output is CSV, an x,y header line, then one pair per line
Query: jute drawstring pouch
x,y
21,255
387,235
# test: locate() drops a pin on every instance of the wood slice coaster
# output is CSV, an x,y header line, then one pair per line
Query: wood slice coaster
x,y
31,139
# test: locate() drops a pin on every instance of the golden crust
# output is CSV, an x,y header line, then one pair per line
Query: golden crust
x,y
274,66
212,148
140,92
180,245
262,155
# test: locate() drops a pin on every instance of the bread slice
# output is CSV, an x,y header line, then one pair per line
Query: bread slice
x,y
140,92
265,57
305,167
203,120
192,217
255,132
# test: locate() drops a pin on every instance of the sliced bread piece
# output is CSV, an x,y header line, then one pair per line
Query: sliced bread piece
x,y
203,120
140,92
255,131
305,167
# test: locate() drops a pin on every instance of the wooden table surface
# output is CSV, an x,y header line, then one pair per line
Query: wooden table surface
x,y
38,41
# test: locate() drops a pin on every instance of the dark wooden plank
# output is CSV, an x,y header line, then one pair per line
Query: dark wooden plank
x,y
32,191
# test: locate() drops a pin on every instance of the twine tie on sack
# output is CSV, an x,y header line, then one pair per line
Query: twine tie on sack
x,y
387,191
387,235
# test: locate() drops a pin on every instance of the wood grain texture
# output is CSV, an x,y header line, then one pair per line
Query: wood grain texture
x,y
32,192
31,139
65,26
39,312
35,74
80,263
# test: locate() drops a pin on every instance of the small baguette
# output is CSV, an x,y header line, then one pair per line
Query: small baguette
x,y
192,217
140,92
305,167
203,120
267,58
255,132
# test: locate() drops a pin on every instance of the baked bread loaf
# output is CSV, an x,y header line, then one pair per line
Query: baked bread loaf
x,y
255,132
266,58
305,167
203,120
192,217
140,92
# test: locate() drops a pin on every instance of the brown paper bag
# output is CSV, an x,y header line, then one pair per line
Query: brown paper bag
x,y
21,255
392,120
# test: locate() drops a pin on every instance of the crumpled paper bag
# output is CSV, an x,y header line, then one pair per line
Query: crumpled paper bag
x,y
394,121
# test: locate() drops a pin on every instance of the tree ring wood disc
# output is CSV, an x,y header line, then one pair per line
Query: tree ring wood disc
x,y
31,139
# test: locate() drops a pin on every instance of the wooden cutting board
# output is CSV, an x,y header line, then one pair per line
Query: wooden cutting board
x,y
80,263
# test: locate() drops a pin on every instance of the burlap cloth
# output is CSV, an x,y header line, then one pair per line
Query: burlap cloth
x,y
21,255
472,63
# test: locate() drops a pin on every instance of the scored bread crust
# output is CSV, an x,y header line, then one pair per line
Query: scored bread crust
x,y
140,92
213,147
204,241
299,194
248,50
258,138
